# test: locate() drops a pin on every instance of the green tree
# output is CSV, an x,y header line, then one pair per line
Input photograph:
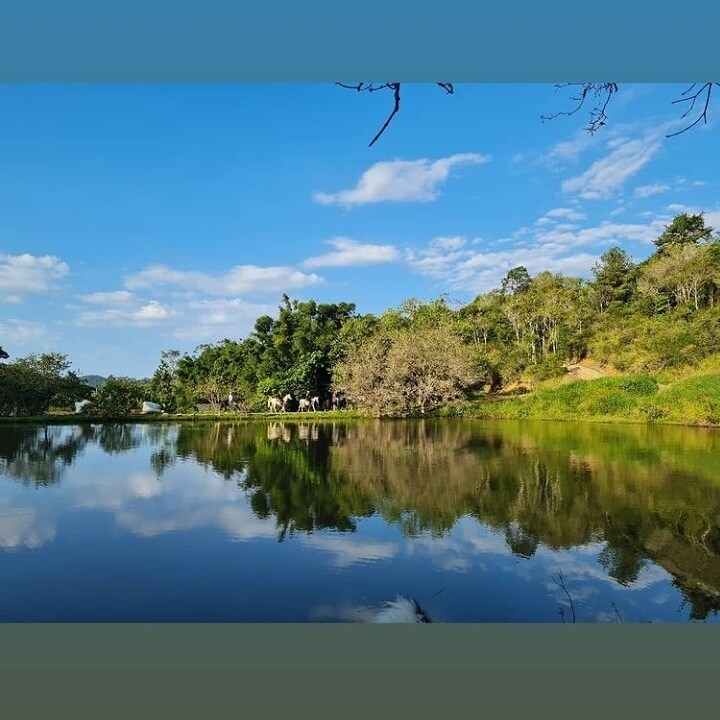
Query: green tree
x,y
683,230
32,385
164,386
615,277
407,371
119,396
516,280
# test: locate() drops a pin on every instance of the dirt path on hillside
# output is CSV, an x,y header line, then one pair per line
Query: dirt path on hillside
x,y
581,372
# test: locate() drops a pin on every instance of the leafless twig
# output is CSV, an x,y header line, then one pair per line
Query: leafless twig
x,y
706,88
395,87
602,93
560,580
617,612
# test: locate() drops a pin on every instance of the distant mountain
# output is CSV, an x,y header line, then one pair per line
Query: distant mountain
x,y
93,380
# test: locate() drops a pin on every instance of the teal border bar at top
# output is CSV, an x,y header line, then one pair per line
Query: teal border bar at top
x,y
316,40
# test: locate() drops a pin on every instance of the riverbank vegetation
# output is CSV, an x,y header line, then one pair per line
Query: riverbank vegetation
x,y
640,342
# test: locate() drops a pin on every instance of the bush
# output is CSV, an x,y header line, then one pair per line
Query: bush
x,y
548,368
640,385
119,396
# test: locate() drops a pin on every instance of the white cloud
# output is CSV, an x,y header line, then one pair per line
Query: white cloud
x,y
119,297
567,213
448,243
712,219
552,216
147,314
350,252
239,280
224,312
607,175
205,320
24,274
150,312
644,191
21,332
568,151
605,233
401,181
347,551
191,320
24,528
479,266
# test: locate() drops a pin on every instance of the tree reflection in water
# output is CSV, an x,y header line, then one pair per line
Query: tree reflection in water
x,y
647,494
558,486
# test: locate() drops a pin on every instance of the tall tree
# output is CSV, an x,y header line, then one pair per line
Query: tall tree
x,y
683,230
516,280
614,278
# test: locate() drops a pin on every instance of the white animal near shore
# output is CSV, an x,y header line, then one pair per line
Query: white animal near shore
x,y
80,406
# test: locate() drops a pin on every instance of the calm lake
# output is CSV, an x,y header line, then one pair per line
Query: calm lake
x,y
323,522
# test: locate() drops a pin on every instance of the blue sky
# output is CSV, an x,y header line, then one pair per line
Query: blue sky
x,y
138,218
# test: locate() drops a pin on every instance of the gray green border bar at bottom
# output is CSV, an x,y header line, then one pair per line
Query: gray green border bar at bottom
x,y
331,669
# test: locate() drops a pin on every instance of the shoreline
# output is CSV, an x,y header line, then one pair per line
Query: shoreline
x,y
332,416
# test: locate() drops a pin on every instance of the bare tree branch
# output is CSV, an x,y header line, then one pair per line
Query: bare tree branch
x,y
560,580
395,87
692,99
602,92
396,94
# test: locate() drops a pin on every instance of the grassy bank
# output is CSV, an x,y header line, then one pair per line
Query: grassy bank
x,y
630,398
67,418
677,397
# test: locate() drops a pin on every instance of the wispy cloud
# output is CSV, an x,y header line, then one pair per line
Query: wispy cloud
x,y
146,314
25,274
205,320
347,551
556,214
21,332
350,252
191,320
566,213
401,181
118,297
608,174
644,191
473,266
240,280
567,151
25,528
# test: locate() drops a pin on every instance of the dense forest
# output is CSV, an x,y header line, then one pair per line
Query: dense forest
x,y
650,318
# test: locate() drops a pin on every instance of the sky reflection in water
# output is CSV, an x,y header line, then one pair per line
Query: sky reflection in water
x,y
481,522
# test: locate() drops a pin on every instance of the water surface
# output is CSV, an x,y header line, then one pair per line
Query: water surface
x,y
316,522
